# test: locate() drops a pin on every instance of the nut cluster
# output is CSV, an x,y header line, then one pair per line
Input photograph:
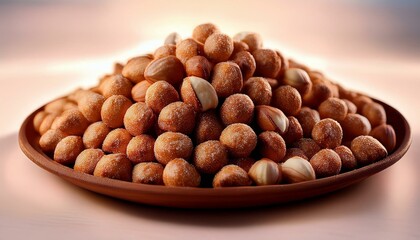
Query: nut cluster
x,y
214,111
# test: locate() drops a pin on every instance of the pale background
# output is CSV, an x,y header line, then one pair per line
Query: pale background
x,y
48,48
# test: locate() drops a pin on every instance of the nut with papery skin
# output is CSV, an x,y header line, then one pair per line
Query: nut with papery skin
x,y
134,69
265,172
198,66
199,93
297,169
268,63
164,51
179,173
385,134
168,69
375,113
298,79
138,92
271,119
231,176
367,150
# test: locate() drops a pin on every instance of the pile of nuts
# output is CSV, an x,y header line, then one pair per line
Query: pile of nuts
x,y
214,111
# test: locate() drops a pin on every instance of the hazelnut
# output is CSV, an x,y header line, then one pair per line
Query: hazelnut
x,y
170,145
71,122
246,63
169,69
268,63
307,118
295,64
327,133
56,106
177,117
271,145
287,99
116,85
351,108
173,38
326,163
208,127
274,83
210,157
114,109
360,101
160,94
139,118
265,172
148,173
294,152
244,163
68,149
308,146
375,113
239,139
203,31
367,150
50,139
239,46
318,93
237,108
135,67
187,49
298,79
95,135
333,108
141,149
253,40
231,176
138,92
348,161
259,90
198,66
116,141
294,131
179,173
164,51
283,67
227,79
118,67
90,106
199,93
218,47
385,134
114,166
355,125
271,119
39,117
297,169
87,160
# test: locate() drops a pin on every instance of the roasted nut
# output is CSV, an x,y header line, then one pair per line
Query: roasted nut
x,y
231,176
173,38
237,108
360,101
90,106
210,157
351,108
39,117
116,85
141,149
170,145
239,139
227,79
319,92
253,40
218,47
187,49
274,83
355,125
287,99
294,152
271,145
138,92
116,141
208,127
239,46
203,31
294,131
148,173
114,166
271,119
348,161
95,135
259,90
265,172
326,163
385,134
139,118
198,66
179,173
199,93
177,117
298,79
68,149
246,63
283,67
135,67
308,118
87,160
268,63
367,150
375,113
56,106
164,51
71,122
169,69
333,108
244,163
308,146
113,110
294,64
327,133
118,67
50,139
160,94
297,169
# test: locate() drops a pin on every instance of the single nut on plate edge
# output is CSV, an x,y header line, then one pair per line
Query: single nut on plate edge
x,y
271,119
265,172
297,169
199,93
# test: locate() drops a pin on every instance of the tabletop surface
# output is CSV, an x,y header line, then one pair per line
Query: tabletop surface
x,y
48,48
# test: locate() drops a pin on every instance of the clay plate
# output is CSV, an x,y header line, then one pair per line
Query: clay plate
x,y
208,197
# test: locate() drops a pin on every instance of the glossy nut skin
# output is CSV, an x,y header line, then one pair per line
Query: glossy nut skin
x,y
68,149
135,67
179,173
271,145
114,166
287,99
227,79
367,150
327,133
141,149
170,145
237,108
139,119
246,63
138,92
210,157
169,69
95,134
326,163
148,173
86,161
114,109
231,176
239,139
177,117
355,125
375,113
385,134
160,94
259,90
199,93
116,141
71,122
268,63
198,66
218,47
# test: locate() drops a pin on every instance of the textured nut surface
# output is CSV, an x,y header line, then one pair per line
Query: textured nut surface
x,y
187,49
169,69
177,117
231,176
179,173
327,133
253,40
210,157
208,127
351,108
287,99
308,118
375,113
265,172
160,94
116,141
298,79
227,79
90,106
326,163
141,149
68,149
237,108
385,134
114,166
297,169
318,93
148,173
271,119
199,93
348,161
259,90
271,145
95,134
367,150
239,46
86,161
113,110
71,122
50,139
246,63
294,152
240,139
355,125
135,67
203,31
268,63
218,47
172,145
333,108
139,119
308,146
46,123
244,163
294,131
116,85
164,51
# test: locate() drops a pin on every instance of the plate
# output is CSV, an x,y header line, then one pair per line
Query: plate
x,y
234,197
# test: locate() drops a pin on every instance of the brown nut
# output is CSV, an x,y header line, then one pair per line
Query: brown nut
x,y
298,79
239,139
114,166
308,146
297,169
227,79
239,46
114,109
271,145
271,119
360,101
187,49
68,149
284,66
173,38
47,122
116,141
169,69
95,135
348,161
355,125
170,145
148,173
218,47
333,108
259,90
237,108
246,63
265,172
294,152
327,133
244,163
198,66
90,106
385,134
268,63
179,173
210,157
308,118
177,117
71,122
231,176
287,99
164,51
135,67
138,92
203,31
50,139
351,108
87,160
116,85
367,150
294,131
139,119
375,113
118,67
39,117
56,106
160,94
318,93
253,40
326,163
199,93
208,127
141,149
274,83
